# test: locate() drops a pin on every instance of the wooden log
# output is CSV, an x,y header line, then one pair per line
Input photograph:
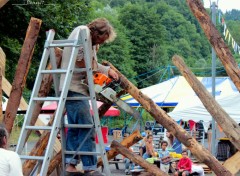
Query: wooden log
x,y
44,89
233,163
1,112
2,3
153,169
214,37
54,162
21,72
126,142
229,126
2,61
164,119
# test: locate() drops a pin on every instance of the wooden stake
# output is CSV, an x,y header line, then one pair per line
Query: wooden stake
x,y
229,126
21,72
164,119
2,3
214,37
137,159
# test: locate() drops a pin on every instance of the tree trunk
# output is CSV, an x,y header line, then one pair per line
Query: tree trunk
x,y
2,61
137,159
55,162
222,51
44,89
229,126
21,72
127,142
164,119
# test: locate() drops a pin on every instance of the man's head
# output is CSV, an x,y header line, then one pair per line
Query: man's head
x,y
184,153
101,31
3,137
164,145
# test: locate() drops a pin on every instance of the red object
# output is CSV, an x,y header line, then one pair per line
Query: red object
x,y
191,124
111,111
105,135
185,164
101,79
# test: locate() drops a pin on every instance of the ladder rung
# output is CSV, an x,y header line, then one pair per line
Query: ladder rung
x,y
53,71
82,153
28,157
78,98
78,126
38,128
46,98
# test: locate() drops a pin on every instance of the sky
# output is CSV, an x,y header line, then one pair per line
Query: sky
x,y
224,4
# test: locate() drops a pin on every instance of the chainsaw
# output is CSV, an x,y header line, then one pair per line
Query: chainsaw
x,y
105,87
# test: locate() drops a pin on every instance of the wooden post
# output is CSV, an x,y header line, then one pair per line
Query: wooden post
x,y
221,49
21,72
137,159
233,163
2,61
164,119
126,142
2,3
55,162
229,126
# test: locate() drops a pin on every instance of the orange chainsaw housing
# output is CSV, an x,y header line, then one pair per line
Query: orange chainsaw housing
x,y
101,79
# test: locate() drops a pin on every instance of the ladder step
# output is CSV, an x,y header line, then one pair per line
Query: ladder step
x,y
82,153
28,157
38,128
53,71
46,98
78,126
78,98
62,43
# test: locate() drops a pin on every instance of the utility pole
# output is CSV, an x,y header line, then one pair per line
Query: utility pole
x,y
213,141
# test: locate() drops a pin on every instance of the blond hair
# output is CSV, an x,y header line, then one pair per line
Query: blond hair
x,y
103,26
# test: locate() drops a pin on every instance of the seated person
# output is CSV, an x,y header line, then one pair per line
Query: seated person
x,y
128,163
184,166
164,156
198,169
142,147
174,143
149,148
10,163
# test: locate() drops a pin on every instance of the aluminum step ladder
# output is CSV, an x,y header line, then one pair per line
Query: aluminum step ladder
x,y
83,40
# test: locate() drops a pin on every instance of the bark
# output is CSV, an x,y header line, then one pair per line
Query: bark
x,y
21,73
127,142
44,89
164,119
229,126
214,37
153,169
54,162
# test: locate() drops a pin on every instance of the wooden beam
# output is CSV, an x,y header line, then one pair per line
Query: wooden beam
x,y
233,163
2,3
214,37
202,154
153,169
21,73
126,142
2,61
229,126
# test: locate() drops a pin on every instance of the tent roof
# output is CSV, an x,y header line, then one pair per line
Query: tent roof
x,y
193,109
170,92
111,112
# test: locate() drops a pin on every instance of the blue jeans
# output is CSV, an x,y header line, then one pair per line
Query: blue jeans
x,y
78,112
128,164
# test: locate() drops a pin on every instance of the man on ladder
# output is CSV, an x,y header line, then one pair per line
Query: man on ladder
x,y
78,111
